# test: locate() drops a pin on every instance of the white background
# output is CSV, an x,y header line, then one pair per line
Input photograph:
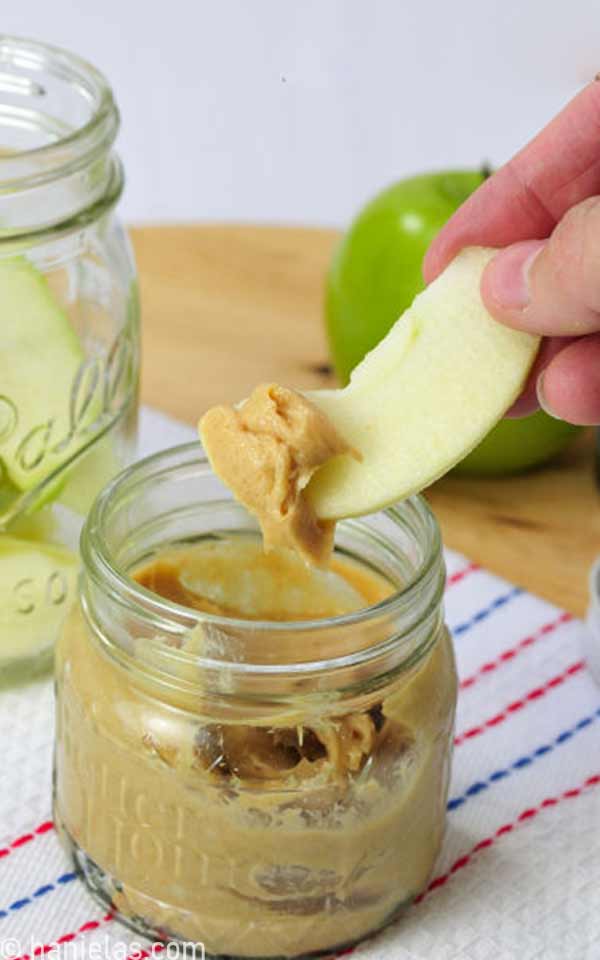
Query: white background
x,y
298,110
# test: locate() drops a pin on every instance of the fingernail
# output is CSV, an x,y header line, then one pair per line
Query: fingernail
x,y
508,278
539,389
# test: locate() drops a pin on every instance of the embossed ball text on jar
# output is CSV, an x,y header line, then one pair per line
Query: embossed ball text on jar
x,y
267,788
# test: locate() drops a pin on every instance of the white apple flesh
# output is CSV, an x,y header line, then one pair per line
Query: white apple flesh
x,y
428,393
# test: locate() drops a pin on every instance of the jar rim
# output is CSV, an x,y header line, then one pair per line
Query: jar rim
x,y
33,167
100,565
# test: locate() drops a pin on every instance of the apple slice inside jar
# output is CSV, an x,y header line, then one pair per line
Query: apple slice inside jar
x,y
418,403
42,420
37,587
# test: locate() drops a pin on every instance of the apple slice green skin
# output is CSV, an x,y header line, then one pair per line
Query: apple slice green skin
x,y
37,587
428,393
39,361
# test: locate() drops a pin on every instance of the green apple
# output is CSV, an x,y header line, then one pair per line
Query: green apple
x,y
376,273
515,445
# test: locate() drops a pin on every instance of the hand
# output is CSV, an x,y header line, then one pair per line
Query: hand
x,y
543,206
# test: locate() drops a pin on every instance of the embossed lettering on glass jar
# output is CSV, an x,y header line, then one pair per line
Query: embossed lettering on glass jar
x,y
270,789
69,358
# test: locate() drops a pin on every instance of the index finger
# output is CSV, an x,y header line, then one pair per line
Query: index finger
x,y
526,197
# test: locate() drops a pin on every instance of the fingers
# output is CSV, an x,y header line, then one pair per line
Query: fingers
x,y
528,402
528,196
552,287
569,387
549,189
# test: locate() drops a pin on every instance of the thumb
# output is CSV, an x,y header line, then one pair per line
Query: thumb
x,y
550,287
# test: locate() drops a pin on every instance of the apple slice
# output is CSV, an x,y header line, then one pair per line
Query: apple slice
x,y
428,393
41,420
37,588
92,471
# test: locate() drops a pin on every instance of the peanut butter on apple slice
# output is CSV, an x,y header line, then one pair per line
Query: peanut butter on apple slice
x,y
266,451
444,375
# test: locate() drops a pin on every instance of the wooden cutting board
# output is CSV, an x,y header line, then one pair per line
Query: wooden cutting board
x,y
225,307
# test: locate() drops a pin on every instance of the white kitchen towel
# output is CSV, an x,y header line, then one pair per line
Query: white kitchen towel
x,y
519,875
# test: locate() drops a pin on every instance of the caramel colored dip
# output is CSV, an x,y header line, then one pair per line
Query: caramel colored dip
x,y
266,452
234,577
259,829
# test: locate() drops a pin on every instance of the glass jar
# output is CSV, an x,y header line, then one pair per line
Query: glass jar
x,y
267,789
69,358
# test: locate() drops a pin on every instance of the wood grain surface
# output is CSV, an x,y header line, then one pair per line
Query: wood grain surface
x,y
225,307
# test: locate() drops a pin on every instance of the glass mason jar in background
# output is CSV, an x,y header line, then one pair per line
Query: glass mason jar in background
x,y
69,321
268,789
